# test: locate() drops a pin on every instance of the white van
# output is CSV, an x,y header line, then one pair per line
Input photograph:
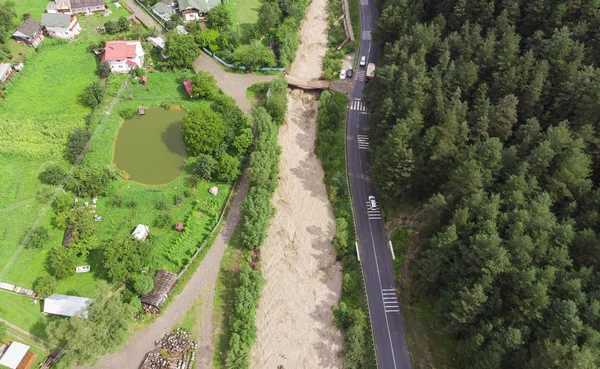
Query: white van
x,y
372,203
363,61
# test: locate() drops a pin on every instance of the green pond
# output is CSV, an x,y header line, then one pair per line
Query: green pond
x,y
150,148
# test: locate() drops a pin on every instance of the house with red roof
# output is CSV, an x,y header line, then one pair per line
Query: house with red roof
x,y
123,56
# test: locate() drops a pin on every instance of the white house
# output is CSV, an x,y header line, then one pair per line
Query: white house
x,y
191,10
59,25
122,56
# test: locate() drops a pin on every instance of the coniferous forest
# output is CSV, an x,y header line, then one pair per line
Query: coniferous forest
x,y
487,112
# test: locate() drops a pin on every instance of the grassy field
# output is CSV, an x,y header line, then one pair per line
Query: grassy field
x,y
23,312
244,14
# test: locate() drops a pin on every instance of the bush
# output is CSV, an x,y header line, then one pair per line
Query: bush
x,y
39,237
61,262
228,168
256,215
131,204
45,286
93,94
205,166
178,200
53,175
128,113
121,25
160,205
77,144
90,181
117,201
104,70
253,56
277,101
163,220
204,84
142,284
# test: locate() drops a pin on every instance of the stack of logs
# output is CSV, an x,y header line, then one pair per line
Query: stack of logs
x,y
174,351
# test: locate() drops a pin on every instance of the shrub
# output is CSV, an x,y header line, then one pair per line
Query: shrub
x,y
205,166
142,284
127,113
61,262
277,101
131,204
93,94
117,201
160,205
228,168
53,175
203,84
90,181
253,56
256,215
45,285
163,220
178,200
104,70
121,25
77,144
38,238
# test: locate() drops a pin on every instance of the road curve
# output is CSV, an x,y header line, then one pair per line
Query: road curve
x,y
387,322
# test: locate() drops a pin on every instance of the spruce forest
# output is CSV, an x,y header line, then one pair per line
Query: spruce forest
x,y
487,113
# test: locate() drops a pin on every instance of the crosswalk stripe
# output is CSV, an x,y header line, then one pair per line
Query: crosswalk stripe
x,y
358,105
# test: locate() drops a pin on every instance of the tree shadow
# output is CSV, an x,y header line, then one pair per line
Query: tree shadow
x,y
172,139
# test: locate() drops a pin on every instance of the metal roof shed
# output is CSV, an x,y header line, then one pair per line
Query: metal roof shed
x,y
66,305
14,355
164,282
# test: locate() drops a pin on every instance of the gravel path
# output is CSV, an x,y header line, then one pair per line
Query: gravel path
x,y
143,16
234,85
201,284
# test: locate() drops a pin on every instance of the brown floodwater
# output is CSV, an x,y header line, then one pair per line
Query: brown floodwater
x,y
150,148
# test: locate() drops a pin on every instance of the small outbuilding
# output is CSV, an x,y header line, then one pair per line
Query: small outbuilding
x,y
16,356
164,282
5,70
188,87
141,232
65,305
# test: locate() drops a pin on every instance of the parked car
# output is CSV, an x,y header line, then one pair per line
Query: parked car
x,y
349,73
372,202
343,74
363,61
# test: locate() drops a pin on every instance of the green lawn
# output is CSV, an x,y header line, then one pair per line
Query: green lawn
x,y
33,7
244,14
25,312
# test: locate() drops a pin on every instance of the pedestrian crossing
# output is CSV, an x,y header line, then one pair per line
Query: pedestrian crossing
x,y
390,301
363,142
374,214
358,105
360,75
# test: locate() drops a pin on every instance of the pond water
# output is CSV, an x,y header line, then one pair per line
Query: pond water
x,y
150,148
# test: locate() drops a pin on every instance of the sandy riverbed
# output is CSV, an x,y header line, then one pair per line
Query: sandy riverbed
x,y
302,278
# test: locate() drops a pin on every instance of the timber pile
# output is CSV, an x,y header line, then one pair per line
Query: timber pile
x,y
174,351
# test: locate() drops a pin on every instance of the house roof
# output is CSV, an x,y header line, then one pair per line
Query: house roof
x,y
188,88
4,70
76,4
63,4
164,282
161,8
66,305
56,20
157,41
202,5
28,29
120,50
13,356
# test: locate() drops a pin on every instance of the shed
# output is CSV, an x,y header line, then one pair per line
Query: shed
x,y
188,87
144,80
141,232
4,72
66,305
164,282
17,356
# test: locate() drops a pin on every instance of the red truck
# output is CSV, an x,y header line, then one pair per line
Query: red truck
x,y
370,72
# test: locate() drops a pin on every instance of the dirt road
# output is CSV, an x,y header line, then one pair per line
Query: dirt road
x,y
143,16
302,278
234,85
202,284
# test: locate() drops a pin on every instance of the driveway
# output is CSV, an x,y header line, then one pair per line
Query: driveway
x,y
234,85
143,16
201,284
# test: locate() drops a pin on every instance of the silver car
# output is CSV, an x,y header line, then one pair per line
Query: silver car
x,y
372,202
363,61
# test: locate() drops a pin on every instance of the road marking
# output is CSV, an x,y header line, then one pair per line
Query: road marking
x,y
390,301
363,142
360,75
366,35
374,214
358,105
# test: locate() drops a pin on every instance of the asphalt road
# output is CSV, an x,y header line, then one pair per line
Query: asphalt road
x,y
387,322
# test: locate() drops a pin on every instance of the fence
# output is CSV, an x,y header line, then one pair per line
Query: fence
x,y
223,62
